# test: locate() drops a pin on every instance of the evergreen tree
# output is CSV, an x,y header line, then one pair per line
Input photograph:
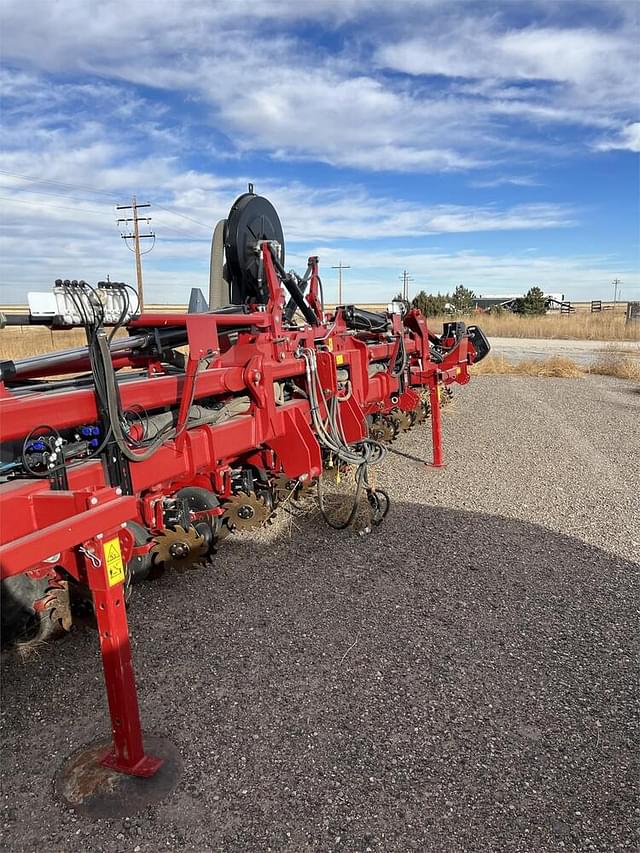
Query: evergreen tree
x,y
463,299
533,302
430,305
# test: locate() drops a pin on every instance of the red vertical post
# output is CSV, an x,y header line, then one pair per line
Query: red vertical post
x,y
436,424
105,573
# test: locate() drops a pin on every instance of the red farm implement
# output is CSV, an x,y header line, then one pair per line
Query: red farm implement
x,y
137,454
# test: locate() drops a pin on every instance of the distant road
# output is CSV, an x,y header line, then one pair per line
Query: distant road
x,y
516,349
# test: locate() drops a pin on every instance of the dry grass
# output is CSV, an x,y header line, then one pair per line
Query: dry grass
x,y
582,326
559,367
556,367
620,367
24,341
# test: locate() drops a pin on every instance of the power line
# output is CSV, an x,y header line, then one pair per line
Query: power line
x,y
406,278
137,236
26,191
183,216
183,234
615,284
57,183
86,188
53,206
340,267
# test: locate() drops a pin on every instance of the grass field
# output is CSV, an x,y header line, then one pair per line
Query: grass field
x,y
24,341
560,367
580,326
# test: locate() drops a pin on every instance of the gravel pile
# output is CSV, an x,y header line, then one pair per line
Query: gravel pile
x,y
462,679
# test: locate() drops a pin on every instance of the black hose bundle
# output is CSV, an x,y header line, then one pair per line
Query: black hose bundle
x,y
331,437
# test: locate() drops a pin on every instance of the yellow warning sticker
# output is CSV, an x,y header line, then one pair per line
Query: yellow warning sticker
x,y
113,559
339,358
330,344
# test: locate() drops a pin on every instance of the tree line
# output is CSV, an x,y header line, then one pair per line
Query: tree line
x,y
463,300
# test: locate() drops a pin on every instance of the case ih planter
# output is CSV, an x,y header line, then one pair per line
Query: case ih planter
x,y
137,454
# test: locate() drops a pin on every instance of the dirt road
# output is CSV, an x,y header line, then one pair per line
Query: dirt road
x,y
582,352
462,679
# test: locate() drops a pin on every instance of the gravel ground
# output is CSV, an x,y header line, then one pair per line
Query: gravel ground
x,y
584,352
463,679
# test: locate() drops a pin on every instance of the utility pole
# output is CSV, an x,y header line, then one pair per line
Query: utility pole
x,y
136,237
406,278
340,267
615,284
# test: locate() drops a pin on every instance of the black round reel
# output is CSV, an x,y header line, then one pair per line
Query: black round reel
x,y
251,219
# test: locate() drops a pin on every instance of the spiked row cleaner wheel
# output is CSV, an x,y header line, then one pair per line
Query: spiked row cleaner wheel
x,y
244,511
179,548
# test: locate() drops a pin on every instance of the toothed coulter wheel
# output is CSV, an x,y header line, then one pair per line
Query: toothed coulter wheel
x,y
446,395
383,429
33,611
286,487
422,412
403,420
179,548
243,511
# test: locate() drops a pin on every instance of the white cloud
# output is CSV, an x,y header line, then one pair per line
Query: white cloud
x,y
628,139
128,107
43,243
47,236
271,90
576,75
59,226
581,57
506,180
373,276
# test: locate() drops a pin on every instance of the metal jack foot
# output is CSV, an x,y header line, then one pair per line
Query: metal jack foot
x,y
91,787
120,776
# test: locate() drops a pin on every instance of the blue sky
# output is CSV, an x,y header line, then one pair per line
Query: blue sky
x,y
492,144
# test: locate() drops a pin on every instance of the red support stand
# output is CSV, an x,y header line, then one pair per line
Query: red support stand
x,y
117,779
105,572
436,426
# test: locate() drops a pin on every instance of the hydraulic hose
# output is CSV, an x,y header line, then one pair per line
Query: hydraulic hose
x,y
114,410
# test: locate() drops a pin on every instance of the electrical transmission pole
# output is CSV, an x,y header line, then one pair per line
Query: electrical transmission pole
x,y
136,237
340,267
615,284
406,278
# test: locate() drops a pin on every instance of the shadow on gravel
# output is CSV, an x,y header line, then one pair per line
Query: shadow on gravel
x,y
452,682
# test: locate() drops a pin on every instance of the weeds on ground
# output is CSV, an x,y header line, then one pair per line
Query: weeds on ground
x,y
559,367
618,366
583,326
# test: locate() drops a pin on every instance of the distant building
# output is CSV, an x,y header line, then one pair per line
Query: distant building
x,y
485,303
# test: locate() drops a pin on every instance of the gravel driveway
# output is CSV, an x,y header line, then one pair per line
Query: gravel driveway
x,y
464,679
583,352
